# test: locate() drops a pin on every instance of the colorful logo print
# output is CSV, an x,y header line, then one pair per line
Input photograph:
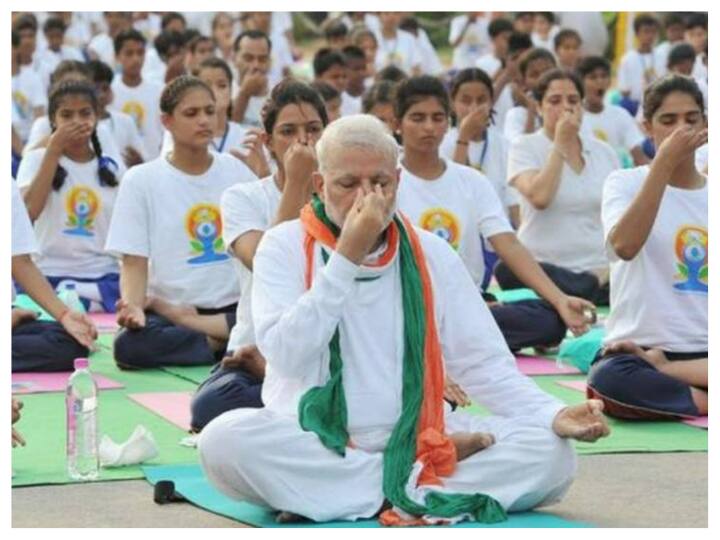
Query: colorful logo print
x,y
137,111
82,205
691,250
21,103
443,223
204,227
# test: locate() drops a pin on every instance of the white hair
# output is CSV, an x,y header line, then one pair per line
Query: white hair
x,y
362,131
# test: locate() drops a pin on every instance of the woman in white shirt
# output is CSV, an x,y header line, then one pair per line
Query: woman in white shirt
x,y
560,173
295,117
69,188
655,220
167,228
459,204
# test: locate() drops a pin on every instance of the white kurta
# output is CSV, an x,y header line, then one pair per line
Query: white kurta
x,y
264,457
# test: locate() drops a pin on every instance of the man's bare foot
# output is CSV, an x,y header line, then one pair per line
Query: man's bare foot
x,y
247,358
467,444
289,517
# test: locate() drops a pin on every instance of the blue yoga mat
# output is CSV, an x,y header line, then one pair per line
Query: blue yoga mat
x,y
190,482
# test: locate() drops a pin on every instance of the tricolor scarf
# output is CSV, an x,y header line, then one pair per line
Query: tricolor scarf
x,y
419,435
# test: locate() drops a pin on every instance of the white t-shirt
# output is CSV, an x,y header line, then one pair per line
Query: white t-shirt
x,y
48,60
660,297
475,41
636,72
488,157
701,157
154,68
429,60
23,237
41,129
124,131
613,125
72,227
514,124
232,140
280,56
350,105
102,45
247,207
27,94
459,207
142,103
252,117
700,70
173,219
489,63
403,51
501,107
568,233
661,52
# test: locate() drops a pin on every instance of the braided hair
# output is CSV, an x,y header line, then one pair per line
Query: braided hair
x,y
174,91
106,165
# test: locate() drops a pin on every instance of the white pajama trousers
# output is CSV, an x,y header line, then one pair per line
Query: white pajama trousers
x,y
258,456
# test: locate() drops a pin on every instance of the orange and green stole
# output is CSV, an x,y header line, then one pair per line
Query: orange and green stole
x,y
419,435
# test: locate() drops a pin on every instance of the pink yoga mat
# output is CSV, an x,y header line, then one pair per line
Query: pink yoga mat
x,y
536,365
105,322
172,406
35,383
699,421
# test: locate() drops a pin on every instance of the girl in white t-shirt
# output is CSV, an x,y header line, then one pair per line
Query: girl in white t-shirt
x,y
378,101
473,140
168,229
295,117
655,220
459,204
41,345
560,173
69,188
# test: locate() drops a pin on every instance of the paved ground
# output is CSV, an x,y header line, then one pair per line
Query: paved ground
x,y
622,490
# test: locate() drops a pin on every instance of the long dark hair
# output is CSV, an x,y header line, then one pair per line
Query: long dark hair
x,y
87,91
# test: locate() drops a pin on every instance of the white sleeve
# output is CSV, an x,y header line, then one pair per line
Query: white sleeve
x,y
40,128
129,232
631,134
29,166
240,214
23,236
293,326
618,194
490,213
521,158
241,172
456,26
514,124
624,76
476,355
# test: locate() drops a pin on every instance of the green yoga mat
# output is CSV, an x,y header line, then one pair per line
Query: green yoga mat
x,y
42,424
195,374
191,483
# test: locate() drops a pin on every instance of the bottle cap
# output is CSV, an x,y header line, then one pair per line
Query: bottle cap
x,y
70,286
81,363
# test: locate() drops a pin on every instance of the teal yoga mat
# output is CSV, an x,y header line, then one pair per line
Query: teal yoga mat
x,y
191,483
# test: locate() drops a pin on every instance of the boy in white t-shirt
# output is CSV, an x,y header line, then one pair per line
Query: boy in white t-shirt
x,y
41,345
397,47
696,34
609,123
56,51
136,96
252,60
638,67
102,46
499,31
469,38
168,229
674,24
544,30
330,67
28,98
508,76
567,44
428,55
655,220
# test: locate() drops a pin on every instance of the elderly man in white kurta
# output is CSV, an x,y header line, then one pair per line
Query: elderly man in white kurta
x,y
359,314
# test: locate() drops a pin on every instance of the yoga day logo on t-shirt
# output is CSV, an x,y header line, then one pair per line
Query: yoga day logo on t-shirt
x,y
691,250
204,227
137,111
601,134
82,205
22,105
443,223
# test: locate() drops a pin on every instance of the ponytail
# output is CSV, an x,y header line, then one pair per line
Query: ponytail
x,y
107,167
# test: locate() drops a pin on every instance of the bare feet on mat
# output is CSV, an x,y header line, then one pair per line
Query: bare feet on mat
x,y
467,444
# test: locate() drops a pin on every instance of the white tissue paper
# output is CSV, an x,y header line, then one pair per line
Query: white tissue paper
x,y
139,447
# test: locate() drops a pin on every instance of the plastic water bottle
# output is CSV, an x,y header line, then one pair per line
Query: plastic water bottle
x,y
82,442
71,298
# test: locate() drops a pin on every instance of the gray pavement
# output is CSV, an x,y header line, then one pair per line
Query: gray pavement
x,y
620,490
